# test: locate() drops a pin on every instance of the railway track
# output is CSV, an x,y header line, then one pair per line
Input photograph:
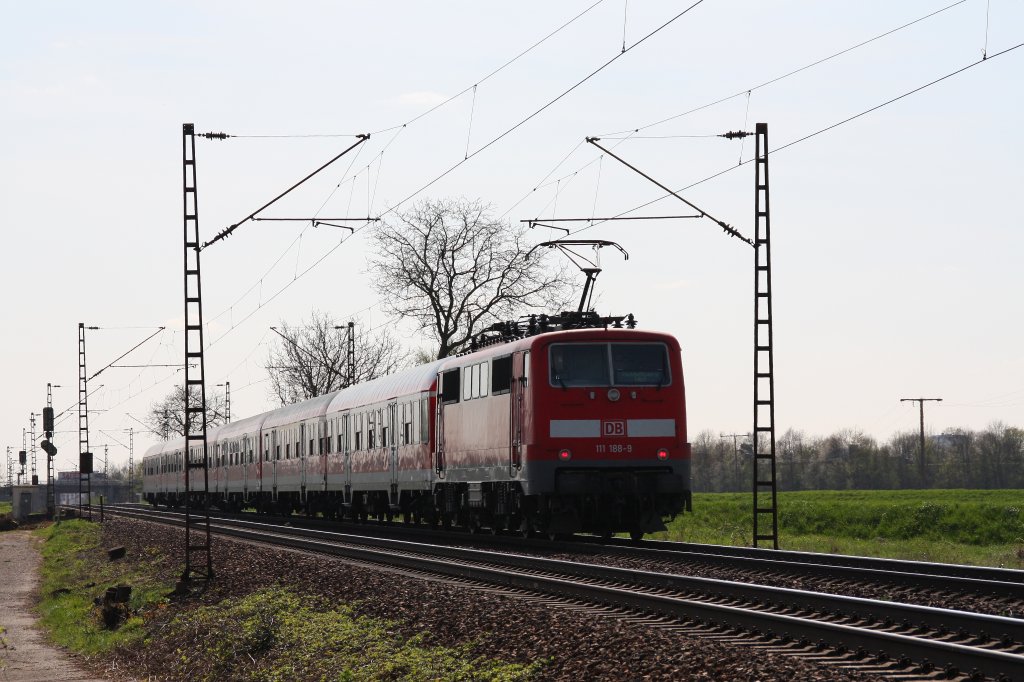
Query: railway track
x,y
976,588
875,636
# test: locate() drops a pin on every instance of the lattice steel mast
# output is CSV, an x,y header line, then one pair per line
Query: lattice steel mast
x,y
84,455
198,559
764,466
766,512
33,476
131,462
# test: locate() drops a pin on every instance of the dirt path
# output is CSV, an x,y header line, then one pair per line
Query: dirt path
x,y
25,656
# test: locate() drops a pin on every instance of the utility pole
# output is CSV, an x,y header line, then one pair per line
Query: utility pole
x,y
921,402
10,468
105,453
735,452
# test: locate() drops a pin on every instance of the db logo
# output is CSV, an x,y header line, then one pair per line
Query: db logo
x,y
613,428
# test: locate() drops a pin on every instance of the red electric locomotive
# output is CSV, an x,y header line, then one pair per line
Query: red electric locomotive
x,y
578,430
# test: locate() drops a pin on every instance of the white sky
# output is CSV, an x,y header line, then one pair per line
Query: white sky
x,y
896,237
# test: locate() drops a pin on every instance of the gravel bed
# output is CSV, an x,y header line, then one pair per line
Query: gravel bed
x,y
581,646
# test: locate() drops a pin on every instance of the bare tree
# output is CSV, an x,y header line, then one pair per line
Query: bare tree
x,y
167,416
452,267
311,358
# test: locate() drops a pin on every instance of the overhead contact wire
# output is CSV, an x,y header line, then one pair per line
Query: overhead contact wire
x,y
814,134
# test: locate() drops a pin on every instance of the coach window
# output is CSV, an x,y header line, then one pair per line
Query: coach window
x,y
467,383
501,375
407,425
424,420
450,386
483,379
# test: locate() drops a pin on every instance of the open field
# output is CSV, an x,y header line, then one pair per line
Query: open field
x,y
983,527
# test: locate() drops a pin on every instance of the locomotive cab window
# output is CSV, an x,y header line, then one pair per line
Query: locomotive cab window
x,y
604,364
579,364
640,364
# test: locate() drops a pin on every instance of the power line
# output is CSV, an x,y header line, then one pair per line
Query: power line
x,y
398,128
495,71
790,73
544,107
633,133
816,133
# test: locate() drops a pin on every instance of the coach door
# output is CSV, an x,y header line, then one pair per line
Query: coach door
x,y
518,405
448,391
275,455
391,443
246,465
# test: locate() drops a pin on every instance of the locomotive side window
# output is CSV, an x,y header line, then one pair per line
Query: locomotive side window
x,y
467,383
501,375
640,364
579,364
482,391
450,386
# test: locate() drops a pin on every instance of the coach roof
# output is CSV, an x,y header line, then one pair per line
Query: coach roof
x,y
413,380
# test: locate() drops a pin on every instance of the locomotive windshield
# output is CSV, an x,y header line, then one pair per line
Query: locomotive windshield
x,y
609,364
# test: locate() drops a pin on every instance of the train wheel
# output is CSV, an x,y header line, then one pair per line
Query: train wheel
x,y
636,535
525,528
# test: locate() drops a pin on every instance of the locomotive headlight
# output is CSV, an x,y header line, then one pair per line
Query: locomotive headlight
x,y
565,454
662,453
613,394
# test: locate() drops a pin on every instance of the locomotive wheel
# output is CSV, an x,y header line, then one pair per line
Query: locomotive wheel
x,y
525,528
636,535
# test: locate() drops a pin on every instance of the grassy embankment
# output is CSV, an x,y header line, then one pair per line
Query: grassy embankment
x,y
268,635
983,527
5,508
75,570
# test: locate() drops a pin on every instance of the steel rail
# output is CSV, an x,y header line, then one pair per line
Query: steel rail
x,y
976,580
616,586
989,573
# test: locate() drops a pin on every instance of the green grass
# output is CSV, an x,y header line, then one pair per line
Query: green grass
x,y
269,635
6,508
76,570
275,634
984,527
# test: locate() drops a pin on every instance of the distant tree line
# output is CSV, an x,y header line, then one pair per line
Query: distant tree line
x,y
850,460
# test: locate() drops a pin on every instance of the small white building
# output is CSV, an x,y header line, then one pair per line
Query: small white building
x,y
27,499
